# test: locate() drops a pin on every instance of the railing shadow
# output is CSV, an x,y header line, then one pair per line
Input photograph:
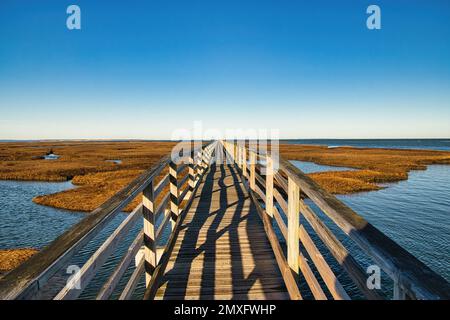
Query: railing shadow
x,y
210,221
178,277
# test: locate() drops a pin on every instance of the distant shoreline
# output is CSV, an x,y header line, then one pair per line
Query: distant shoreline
x,y
439,144
89,167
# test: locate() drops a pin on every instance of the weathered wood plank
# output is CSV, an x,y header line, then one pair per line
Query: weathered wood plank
x,y
133,281
149,215
339,252
417,279
78,283
293,219
310,278
26,280
269,186
212,248
113,280
333,284
174,193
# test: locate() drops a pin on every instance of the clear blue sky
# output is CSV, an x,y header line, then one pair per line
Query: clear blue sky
x,y
140,69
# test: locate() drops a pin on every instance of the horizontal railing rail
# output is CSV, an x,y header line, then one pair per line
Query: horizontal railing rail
x,y
158,202
280,197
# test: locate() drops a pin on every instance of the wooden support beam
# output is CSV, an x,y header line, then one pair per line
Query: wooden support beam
x,y
280,222
161,185
191,174
252,159
79,282
148,212
310,278
113,280
339,252
269,186
174,193
334,286
293,224
244,162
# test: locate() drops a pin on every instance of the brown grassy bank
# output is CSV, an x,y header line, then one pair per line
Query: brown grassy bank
x,y
97,180
84,162
374,165
12,258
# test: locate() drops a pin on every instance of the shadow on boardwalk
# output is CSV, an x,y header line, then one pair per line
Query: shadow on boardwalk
x,y
222,251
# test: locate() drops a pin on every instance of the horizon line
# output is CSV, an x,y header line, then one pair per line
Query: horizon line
x,y
175,140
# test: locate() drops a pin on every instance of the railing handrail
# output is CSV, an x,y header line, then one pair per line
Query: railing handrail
x,y
416,278
25,281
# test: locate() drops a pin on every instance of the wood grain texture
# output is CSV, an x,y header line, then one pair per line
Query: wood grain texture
x,y
221,251
417,279
25,281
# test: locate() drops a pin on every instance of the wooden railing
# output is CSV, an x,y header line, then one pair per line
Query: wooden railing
x,y
29,279
280,196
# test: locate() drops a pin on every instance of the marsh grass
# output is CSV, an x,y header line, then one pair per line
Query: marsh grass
x,y
374,166
96,179
11,258
85,164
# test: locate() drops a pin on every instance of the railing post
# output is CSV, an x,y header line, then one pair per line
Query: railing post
x,y
293,224
148,212
269,185
204,159
238,155
191,174
174,193
199,161
244,161
252,159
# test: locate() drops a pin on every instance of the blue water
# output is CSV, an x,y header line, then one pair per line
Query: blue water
x,y
415,213
310,167
26,224
429,144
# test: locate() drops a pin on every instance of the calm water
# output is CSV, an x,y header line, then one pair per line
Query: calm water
x,y
26,224
309,167
415,213
430,144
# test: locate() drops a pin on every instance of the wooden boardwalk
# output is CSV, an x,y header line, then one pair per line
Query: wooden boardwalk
x,y
221,220
222,251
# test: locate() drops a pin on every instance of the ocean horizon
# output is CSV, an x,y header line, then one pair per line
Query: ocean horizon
x,y
440,144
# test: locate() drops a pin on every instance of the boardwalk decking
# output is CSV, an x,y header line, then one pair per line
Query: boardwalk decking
x,y
222,251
